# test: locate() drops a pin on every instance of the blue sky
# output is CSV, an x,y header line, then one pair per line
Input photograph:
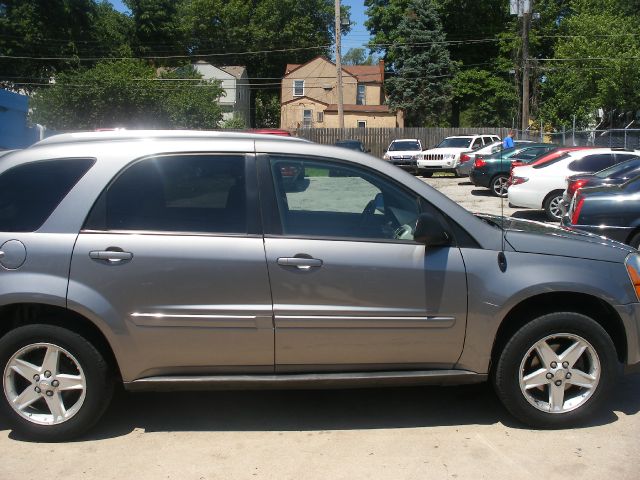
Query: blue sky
x,y
356,38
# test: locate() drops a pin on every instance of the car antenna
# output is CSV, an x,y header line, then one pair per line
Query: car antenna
x,y
502,258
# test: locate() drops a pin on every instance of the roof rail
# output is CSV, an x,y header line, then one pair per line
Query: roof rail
x,y
80,137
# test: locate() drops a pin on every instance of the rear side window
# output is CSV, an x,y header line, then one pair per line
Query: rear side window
x,y
29,193
175,193
592,163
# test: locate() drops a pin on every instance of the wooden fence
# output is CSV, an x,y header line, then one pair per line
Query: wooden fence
x,y
378,139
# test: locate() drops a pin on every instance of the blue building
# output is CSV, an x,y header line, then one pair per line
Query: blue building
x,y
14,129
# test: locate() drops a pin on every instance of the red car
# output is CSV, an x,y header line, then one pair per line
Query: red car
x,y
271,131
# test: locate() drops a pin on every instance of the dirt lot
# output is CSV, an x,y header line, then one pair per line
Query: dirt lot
x,y
400,433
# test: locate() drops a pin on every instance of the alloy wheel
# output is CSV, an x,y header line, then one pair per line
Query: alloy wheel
x,y
44,384
559,373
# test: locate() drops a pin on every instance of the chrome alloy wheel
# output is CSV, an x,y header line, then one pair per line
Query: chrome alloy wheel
x,y
555,207
559,373
44,384
499,186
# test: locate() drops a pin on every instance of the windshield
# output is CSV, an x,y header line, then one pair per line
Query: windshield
x,y
455,143
618,169
405,145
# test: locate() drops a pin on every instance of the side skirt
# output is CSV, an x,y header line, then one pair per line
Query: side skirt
x,y
306,380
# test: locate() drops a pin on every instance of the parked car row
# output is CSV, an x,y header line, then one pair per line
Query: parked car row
x,y
492,171
542,186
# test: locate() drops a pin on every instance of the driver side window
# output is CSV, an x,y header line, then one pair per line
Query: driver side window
x,y
323,198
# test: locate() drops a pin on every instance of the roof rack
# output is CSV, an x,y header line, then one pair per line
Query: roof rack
x,y
79,137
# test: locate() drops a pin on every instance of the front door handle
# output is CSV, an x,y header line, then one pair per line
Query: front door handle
x,y
302,263
111,256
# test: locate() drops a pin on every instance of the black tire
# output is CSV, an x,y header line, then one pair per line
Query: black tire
x,y
426,174
498,186
97,375
551,206
506,374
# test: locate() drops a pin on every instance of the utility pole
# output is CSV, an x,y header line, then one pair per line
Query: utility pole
x,y
339,67
526,25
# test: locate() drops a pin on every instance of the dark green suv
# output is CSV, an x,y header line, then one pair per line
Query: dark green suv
x,y
492,171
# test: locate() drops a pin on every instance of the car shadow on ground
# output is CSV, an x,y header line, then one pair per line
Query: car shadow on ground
x,y
465,183
482,192
314,410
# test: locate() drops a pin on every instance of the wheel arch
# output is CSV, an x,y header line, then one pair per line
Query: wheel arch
x,y
537,305
16,315
552,193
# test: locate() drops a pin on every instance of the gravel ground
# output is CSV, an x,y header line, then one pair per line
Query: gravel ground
x,y
399,433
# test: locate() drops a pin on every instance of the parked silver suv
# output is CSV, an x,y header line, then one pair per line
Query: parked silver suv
x,y
185,260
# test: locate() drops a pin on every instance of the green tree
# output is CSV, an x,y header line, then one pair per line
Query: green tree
x,y
156,29
487,100
61,31
422,67
383,19
358,56
595,66
127,93
235,123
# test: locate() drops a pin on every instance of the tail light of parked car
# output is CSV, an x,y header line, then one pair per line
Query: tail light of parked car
x,y
518,180
575,216
464,158
479,163
574,185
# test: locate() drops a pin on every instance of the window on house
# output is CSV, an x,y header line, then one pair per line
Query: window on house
x,y
298,88
362,124
320,117
360,97
307,117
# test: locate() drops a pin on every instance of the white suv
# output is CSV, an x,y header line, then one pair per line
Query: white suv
x,y
446,155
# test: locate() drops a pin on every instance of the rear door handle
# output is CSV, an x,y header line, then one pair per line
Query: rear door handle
x,y
301,263
111,256
1,254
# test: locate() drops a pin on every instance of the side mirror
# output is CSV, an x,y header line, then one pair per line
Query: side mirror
x,y
431,232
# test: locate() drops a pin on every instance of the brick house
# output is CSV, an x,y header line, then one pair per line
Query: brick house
x,y
309,96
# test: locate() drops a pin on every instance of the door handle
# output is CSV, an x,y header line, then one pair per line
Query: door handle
x,y
111,256
302,263
1,254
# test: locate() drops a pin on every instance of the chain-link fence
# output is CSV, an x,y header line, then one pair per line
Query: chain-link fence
x,y
613,138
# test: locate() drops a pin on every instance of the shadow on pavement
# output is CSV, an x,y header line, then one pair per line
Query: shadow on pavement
x,y
325,410
482,192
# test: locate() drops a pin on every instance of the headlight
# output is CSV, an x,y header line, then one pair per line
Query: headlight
x,y
632,262
385,157
451,156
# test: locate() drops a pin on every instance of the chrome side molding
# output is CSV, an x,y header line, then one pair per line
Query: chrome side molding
x,y
306,380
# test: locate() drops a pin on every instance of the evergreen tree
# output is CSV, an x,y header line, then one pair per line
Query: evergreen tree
x,y
421,68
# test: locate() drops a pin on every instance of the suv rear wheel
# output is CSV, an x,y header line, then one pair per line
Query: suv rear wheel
x,y
55,384
556,370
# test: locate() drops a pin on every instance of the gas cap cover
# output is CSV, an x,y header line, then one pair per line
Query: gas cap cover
x,y
15,253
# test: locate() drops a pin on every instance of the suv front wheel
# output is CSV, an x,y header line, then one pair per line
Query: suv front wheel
x,y
556,370
55,383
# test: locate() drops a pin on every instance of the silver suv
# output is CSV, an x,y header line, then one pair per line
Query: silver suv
x,y
186,260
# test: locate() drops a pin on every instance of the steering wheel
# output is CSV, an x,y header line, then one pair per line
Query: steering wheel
x,y
404,232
